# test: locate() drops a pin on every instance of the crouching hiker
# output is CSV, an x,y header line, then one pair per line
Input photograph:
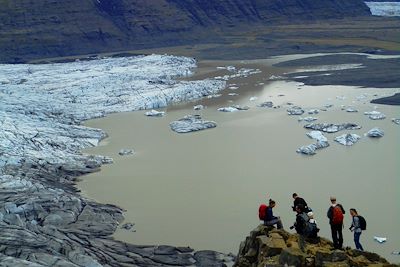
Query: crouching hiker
x,y
357,226
306,227
265,213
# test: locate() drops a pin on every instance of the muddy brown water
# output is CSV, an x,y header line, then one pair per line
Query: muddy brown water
x,y
203,189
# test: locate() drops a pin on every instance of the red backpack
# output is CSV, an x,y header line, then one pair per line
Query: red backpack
x,y
262,212
337,215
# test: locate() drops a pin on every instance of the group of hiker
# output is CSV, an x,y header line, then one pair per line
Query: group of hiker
x,y
306,226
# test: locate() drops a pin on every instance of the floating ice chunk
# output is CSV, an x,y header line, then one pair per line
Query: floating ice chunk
x,y
313,111
155,113
332,128
125,152
375,132
347,139
214,96
328,105
317,135
340,97
396,121
233,94
253,98
191,123
380,239
233,87
241,107
198,107
350,109
295,110
384,9
275,77
395,252
307,150
307,119
267,104
375,115
227,109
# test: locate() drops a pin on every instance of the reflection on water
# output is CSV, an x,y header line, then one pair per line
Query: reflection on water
x,y
203,189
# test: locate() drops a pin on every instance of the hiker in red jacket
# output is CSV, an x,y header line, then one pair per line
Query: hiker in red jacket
x,y
270,219
335,215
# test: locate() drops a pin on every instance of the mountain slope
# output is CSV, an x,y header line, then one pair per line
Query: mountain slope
x,y
47,28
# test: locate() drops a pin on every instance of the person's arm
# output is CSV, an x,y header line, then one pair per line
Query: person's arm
x,y
329,213
344,212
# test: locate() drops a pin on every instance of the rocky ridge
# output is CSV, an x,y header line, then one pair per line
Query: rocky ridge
x,y
44,221
48,28
267,246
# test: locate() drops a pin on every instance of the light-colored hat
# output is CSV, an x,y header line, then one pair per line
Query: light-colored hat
x,y
310,214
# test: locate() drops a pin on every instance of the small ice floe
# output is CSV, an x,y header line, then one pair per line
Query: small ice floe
x,y
332,128
307,150
340,97
199,107
347,139
328,105
396,121
228,68
322,142
351,110
227,109
275,77
361,97
307,119
233,94
267,104
253,98
289,103
261,83
238,107
127,226
233,87
125,152
155,113
375,132
380,239
191,123
295,110
395,253
214,96
375,115
313,111
280,95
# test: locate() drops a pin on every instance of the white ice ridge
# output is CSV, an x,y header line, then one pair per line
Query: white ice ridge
x,y
386,9
42,106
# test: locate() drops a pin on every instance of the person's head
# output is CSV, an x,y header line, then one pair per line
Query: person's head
x,y
271,203
333,200
353,212
310,215
299,208
294,195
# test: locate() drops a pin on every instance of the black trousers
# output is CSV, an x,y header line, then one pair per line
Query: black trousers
x,y
337,236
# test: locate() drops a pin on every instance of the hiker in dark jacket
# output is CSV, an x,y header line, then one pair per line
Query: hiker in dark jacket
x,y
270,219
356,228
335,215
299,201
300,225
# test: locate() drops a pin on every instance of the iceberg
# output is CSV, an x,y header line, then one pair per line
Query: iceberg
x,y
380,239
154,113
191,123
347,139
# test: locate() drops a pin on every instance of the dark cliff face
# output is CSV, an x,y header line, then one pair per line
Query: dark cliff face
x,y
48,28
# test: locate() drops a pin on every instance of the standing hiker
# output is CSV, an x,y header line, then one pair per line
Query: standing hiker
x,y
299,201
357,226
300,225
335,215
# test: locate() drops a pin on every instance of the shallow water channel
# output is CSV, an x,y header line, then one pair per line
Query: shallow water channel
x,y
203,189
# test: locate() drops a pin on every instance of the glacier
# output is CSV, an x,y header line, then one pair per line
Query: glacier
x,y
386,9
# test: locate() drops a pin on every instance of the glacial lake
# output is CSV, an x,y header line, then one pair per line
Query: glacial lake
x,y
203,189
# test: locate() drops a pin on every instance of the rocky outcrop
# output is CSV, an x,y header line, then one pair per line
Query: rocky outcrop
x,y
37,29
267,246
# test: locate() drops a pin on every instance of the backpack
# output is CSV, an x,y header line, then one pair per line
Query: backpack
x,y
310,229
363,223
262,212
337,215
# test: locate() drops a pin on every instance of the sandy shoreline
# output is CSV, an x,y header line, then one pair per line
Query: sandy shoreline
x,y
170,175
